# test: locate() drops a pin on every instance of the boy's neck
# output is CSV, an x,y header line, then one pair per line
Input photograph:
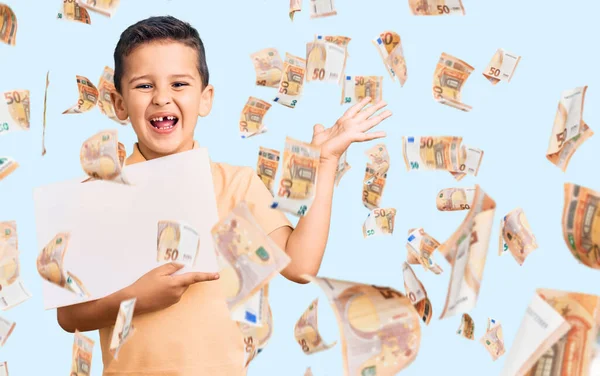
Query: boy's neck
x,y
149,154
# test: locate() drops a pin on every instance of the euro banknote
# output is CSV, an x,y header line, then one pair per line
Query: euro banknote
x,y
268,67
420,247
379,222
104,7
493,339
379,158
295,6
256,337
266,167
390,49
251,311
12,289
6,329
292,81
372,187
251,119
81,360
388,323
298,182
467,327
9,236
14,111
106,86
325,61
307,333
72,11
448,80
102,157
581,224
44,114
8,25
516,236
7,166
342,167
322,8
452,199
123,330
569,131
502,67
416,293
356,88
436,7
88,96
177,242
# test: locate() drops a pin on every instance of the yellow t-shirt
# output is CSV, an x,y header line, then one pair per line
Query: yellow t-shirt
x,y
196,335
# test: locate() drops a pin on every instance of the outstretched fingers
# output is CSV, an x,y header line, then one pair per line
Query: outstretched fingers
x,y
357,107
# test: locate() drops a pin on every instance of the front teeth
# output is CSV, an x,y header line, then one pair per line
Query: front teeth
x,y
162,118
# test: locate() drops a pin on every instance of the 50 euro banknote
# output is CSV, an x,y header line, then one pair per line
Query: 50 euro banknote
x,y
390,49
356,88
102,157
436,7
8,25
268,67
14,111
177,242
441,153
379,222
307,333
325,59
123,329
266,167
292,81
581,224
298,182
449,78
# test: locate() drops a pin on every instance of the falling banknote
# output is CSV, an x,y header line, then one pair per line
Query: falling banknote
x,y
420,246
389,46
292,81
373,186
569,130
102,157
12,289
306,331
7,166
266,167
441,153
50,265
560,331
379,327
256,337
8,25
106,86
14,111
177,242
322,8
295,6
493,339
448,79
249,259
380,159
123,330
379,222
298,183
88,96
268,67
4,369
416,293
6,329
251,312
581,224
452,199
72,11
104,7
516,236
467,327
8,235
436,7
502,67
342,167
466,251
251,119
356,88
81,361
325,61
44,114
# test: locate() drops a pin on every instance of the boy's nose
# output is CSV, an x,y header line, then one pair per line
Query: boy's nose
x,y
161,99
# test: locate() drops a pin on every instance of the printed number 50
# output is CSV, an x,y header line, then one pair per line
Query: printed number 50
x,y
171,254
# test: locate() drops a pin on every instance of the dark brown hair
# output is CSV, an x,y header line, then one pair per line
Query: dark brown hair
x,y
164,28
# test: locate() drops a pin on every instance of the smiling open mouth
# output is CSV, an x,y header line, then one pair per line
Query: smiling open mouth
x,y
166,122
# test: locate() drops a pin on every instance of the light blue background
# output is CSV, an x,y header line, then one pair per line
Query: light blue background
x,y
510,122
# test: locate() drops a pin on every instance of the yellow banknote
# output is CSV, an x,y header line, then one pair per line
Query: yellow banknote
x,y
581,224
103,156
306,331
467,327
50,265
493,339
292,81
12,289
559,332
8,25
356,88
106,86
298,183
268,67
436,7
6,329
14,111
295,6
379,222
420,247
256,337
325,61
452,199
7,166
249,259
71,10
44,114
251,119
385,318
342,167
373,186
466,251
448,79
104,7
123,330
569,130
81,360
88,96
177,242
380,158
266,167
416,293
390,49
502,67
516,236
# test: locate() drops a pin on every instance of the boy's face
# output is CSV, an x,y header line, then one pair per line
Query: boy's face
x,y
162,94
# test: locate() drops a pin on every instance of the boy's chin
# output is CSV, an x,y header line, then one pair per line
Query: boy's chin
x,y
167,146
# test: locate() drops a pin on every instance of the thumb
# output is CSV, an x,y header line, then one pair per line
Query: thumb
x,y
318,128
170,268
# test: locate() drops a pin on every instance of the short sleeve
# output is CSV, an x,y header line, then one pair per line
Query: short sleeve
x,y
259,200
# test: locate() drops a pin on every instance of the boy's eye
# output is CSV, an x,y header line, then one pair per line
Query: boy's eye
x,y
144,86
180,84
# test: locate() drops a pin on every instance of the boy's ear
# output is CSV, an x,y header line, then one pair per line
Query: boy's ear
x,y
206,100
119,105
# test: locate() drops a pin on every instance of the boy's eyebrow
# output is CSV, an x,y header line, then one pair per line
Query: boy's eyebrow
x,y
139,78
182,76
172,76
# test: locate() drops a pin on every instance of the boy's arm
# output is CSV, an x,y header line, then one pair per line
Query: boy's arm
x,y
306,243
155,290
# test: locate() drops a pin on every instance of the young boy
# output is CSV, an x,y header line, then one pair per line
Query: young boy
x,y
182,322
